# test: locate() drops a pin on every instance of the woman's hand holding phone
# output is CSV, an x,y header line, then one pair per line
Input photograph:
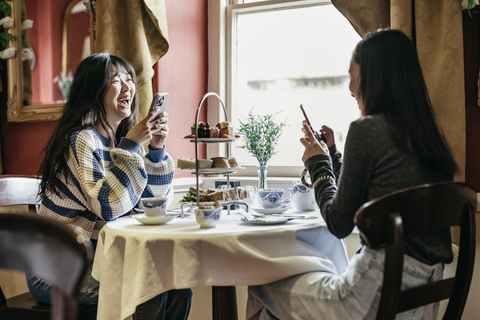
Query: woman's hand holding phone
x,y
143,131
328,135
316,134
161,133
312,145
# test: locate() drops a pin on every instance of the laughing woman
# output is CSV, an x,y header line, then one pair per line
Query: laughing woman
x,y
95,169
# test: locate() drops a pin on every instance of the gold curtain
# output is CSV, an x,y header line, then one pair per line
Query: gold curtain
x,y
439,41
135,30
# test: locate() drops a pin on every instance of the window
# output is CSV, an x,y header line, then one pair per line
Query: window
x,y
283,54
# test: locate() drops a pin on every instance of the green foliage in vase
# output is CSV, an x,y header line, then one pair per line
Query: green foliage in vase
x,y
261,136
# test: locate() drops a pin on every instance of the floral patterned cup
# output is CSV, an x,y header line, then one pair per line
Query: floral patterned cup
x,y
155,206
270,198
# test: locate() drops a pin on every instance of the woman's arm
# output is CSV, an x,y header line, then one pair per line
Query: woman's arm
x,y
108,192
160,169
338,206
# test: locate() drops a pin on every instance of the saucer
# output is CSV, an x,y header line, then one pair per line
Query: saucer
x,y
278,210
154,220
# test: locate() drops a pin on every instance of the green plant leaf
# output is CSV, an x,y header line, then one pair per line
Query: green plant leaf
x,y
261,136
25,43
4,37
5,7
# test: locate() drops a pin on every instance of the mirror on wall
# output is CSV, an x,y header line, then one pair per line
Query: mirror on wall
x,y
76,36
58,46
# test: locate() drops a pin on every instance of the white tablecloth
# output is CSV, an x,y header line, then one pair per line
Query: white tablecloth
x,y
136,262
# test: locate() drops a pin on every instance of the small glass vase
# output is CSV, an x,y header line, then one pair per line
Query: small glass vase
x,y
262,176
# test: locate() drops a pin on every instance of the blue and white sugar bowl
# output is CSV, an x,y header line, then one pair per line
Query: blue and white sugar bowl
x,y
208,218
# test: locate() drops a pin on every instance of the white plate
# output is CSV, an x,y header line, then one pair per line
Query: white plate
x,y
272,210
216,170
154,220
269,220
211,139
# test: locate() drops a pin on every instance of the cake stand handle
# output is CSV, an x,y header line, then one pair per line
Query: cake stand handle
x,y
196,136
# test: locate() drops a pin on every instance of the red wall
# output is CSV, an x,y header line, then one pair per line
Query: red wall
x,y
182,72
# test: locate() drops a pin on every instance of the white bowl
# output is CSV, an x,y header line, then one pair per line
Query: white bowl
x,y
155,206
208,218
204,163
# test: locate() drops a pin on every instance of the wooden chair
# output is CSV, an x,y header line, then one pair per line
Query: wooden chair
x,y
23,190
19,190
50,250
389,219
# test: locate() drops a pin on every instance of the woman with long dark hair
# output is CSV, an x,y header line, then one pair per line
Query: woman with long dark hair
x,y
95,169
395,144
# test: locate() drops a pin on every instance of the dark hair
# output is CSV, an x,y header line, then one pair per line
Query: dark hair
x,y
84,108
392,84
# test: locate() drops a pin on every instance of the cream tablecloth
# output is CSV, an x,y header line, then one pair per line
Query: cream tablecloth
x,y
136,262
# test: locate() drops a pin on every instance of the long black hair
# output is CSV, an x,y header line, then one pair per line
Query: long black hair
x,y
392,83
84,108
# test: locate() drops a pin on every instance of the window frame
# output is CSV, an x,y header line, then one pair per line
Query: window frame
x,y
221,45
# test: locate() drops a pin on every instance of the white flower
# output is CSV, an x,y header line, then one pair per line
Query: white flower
x,y
27,24
88,8
6,22
26,54
7,53
64,83
464,4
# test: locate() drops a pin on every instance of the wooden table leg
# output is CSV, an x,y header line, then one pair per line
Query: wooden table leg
x,y
224,303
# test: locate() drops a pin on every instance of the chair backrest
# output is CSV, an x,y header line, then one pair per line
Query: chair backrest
x,y
19,190
389,219
46,248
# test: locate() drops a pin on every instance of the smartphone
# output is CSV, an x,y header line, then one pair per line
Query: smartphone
x,y
318,135
159,103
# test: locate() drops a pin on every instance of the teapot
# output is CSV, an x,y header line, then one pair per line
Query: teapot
x,y
303,198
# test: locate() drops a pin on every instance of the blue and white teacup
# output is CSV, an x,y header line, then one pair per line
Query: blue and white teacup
x,y
155,206
303,198
270,198
208,218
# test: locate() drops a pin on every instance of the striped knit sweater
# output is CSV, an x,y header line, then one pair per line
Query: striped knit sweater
x,y
104,184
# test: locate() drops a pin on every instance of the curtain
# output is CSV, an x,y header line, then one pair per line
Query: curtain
x,y
135,30
436,28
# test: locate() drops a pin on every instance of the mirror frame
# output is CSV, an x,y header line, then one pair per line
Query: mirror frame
x,y
16,111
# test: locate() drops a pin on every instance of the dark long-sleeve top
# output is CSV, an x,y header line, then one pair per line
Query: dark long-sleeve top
x,y
374,165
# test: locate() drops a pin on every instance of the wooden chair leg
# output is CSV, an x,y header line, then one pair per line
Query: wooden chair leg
x,y
224,303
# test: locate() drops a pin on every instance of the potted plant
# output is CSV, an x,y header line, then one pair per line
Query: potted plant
x,y
261,137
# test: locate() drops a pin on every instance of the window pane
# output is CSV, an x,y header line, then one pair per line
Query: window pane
x,y
289,57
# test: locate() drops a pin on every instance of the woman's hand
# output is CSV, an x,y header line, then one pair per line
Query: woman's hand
x,y
327,132
160,136
312,145
143,131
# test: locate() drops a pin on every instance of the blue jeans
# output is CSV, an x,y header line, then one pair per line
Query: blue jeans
x,y
173,304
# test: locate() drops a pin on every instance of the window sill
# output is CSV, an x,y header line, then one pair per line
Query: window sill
x,y
272,182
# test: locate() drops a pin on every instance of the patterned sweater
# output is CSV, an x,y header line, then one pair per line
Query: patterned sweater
x,y
374,165
104,184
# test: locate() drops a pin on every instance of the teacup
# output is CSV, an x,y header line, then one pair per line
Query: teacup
x,y
155,206
208,218
303,198
270,198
